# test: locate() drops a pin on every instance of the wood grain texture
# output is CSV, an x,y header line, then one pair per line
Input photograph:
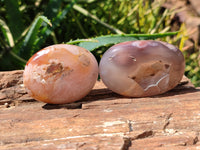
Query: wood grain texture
x,y
102,120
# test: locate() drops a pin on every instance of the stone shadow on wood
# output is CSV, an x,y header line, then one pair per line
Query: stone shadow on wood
x,y
178,90
75,105
94,95
106,94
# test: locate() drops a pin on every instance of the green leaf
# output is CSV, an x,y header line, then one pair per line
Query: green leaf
x,y
82,1
31,36
52,8
46,31
61,15
15,21
114,39
88,14
10,61
7,34
82,40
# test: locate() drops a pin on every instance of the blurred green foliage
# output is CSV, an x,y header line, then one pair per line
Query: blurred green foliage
x,y
192,69
27,26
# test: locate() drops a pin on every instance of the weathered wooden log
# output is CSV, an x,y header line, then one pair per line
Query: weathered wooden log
x,y
101,120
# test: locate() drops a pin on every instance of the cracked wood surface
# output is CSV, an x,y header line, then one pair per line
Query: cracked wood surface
x,y
102,120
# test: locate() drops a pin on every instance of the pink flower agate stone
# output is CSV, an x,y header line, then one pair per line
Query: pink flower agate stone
x,y
60,74
142,68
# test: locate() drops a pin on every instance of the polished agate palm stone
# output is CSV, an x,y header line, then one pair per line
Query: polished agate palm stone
x,y
60,74
142,68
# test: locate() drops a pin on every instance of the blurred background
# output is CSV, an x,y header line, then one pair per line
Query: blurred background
x,y
27,26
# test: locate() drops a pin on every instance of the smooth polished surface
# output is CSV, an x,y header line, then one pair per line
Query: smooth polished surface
x,y
60,74
142,68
